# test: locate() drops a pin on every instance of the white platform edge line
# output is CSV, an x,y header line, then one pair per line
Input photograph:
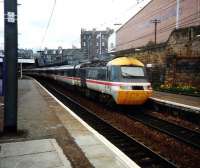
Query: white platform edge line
x,y
177,104
64,160
125,159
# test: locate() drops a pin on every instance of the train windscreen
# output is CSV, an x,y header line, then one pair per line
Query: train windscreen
x,y
132,71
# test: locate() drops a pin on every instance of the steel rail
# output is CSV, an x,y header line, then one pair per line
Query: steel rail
x,y
181,133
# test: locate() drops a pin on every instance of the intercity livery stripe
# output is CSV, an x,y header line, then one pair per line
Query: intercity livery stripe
x,y
107,82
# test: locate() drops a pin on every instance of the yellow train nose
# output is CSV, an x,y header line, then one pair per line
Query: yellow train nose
x,y
133,97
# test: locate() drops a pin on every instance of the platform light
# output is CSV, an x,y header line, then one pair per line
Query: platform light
x,y
149,65
137,49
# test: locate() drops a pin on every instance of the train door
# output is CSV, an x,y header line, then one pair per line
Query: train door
x,y
83,78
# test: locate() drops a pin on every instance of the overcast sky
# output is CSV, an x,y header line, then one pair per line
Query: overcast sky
x,y
68,19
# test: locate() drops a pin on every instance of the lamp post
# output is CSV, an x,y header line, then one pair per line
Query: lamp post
x,y
177,13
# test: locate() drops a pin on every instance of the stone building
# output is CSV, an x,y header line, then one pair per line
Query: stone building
x,y
25,53
74,56
95,43
51,57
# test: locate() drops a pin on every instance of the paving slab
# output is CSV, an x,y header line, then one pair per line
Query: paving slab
x,y
26,147
43,153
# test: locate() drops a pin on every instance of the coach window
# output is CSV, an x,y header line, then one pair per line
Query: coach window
x,y
78,72
92,74
66,73
62,72
101,74
72,72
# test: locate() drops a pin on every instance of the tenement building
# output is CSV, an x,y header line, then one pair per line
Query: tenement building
x,y
95,43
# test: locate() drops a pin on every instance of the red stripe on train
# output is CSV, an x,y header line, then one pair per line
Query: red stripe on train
x,y
96,81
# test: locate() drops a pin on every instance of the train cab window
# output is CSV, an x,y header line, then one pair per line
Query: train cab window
x,y
132,71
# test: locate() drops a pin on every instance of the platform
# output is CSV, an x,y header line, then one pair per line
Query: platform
x,y
42,117
176,100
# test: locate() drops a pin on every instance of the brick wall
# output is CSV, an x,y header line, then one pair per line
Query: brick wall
x,y
139,30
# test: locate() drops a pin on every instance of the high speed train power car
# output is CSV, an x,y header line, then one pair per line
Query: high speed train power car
x,y
122,80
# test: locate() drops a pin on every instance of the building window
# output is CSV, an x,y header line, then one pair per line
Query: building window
x,y
84,44
97,44
103,44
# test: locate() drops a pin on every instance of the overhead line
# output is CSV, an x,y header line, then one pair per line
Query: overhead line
x,y
48,24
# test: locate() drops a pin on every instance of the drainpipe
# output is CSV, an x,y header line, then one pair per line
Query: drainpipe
x,y
177,13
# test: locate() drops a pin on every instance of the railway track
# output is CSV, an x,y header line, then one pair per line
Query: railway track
x,y
181,133
141,154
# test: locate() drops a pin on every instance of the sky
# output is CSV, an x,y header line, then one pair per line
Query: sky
x,y
68,18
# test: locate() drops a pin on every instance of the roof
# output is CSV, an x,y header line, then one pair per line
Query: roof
x,y
24,61
125,61
143,8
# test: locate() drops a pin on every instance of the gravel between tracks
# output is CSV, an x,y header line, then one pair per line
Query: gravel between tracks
x,y
178,152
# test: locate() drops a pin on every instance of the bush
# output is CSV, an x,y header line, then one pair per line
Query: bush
x,y
180,89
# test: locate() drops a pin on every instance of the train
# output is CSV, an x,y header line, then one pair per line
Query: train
x,y
122,81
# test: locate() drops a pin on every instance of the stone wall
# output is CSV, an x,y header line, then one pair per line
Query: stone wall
x,y
155,57
183,57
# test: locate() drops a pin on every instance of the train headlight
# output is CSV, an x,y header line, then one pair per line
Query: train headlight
x,y
126,87
149,87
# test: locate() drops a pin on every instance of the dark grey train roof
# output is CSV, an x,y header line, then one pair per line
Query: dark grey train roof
x,y
95,63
